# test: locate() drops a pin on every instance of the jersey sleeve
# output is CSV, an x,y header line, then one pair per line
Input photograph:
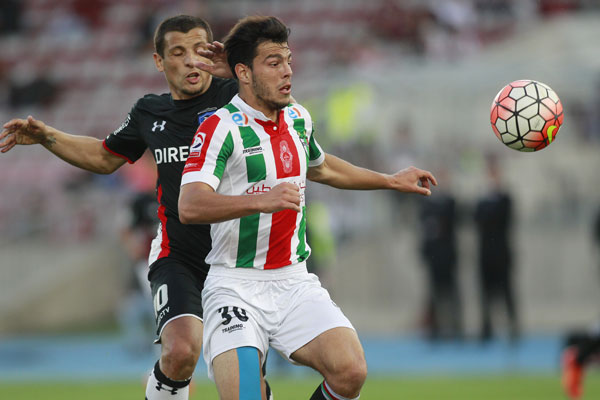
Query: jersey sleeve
x,y
126,141
209,152
316,155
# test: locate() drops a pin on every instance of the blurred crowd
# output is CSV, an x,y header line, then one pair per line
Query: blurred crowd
x,y
69,62
64,61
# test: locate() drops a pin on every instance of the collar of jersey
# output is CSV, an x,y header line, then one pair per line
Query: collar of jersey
x,y
249,111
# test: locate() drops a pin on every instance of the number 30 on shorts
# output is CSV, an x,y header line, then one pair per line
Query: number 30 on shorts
x,y
239,313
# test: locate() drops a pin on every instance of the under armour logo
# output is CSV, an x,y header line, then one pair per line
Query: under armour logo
x,y
160,387
157,125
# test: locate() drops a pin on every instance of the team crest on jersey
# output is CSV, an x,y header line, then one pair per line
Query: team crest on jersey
x,y
303,140
197,144
204,114
239,118
286,156
294,113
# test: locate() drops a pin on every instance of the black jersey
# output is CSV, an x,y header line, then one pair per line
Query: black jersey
x,y
167,128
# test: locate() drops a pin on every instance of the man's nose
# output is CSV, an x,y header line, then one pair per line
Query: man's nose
x,y
191,58
287,70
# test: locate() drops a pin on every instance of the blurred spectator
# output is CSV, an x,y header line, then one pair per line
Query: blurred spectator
x,y
136,315
551,7
145,31
443,314
581,347
493,217
394,20
40,90
321,239
456,32
91,11
11,12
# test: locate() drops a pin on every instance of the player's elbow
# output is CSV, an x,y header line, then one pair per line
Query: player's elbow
x,y
190,212
186,212
194,204
105,169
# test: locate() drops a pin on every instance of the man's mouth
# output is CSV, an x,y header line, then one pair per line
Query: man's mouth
x,y
286,89
193,78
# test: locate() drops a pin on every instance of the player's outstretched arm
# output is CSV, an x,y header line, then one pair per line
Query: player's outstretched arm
x,y
343,175
200,204
81,151
219,67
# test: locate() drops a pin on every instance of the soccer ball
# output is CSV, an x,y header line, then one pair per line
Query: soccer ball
x,y
526,115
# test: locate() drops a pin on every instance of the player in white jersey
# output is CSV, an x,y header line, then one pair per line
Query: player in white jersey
x,y
246,175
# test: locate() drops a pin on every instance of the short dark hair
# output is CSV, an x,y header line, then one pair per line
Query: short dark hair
x,y
245,37
178,23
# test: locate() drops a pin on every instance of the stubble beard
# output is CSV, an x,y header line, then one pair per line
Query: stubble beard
x,y
262,95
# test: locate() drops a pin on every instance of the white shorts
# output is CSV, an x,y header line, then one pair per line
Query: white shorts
x,y
284,309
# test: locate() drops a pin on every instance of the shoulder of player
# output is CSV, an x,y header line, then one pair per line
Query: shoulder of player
x,y
298,107
224,83
297,110
152,101
220,120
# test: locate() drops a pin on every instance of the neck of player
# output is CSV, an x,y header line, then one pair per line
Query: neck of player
x,y
255,102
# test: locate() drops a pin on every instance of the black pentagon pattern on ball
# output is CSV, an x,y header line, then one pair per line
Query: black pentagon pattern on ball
x,y
525,120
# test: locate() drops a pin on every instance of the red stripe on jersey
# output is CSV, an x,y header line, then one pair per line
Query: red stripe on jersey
x,y
284,149
164,243
114,152
208,127
283,225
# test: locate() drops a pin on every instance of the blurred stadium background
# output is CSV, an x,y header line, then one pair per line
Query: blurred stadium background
x,y
390,83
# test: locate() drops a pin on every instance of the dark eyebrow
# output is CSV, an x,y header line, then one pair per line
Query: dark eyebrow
x,y
278,56
274,56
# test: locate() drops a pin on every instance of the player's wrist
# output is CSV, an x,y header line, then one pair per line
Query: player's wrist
x,y
47,137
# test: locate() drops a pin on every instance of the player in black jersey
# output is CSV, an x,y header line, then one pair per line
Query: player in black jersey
x,y
166,125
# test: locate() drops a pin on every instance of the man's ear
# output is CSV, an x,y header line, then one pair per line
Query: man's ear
x,y
243,73
158,61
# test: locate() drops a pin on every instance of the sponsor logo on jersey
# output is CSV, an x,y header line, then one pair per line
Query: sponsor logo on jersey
x,y
171,154
258,189
160,126
239,118
294,113
204,114
252,150
262,188
123,125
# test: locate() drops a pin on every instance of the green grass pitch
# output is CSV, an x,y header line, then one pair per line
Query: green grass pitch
x,y
512,387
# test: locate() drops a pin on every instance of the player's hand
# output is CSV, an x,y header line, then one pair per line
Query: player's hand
x,y
413,180
285,196
215,52
22,131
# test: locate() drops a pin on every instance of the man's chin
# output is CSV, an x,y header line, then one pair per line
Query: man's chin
x,y
191,93
283,102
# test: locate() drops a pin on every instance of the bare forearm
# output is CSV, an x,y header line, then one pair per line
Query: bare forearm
x,y
198,206
341,174
84,152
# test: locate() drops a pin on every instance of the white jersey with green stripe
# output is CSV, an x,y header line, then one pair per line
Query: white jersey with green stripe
x,y
239,151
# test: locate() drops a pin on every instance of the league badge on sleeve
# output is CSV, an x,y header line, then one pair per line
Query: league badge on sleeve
x,y
197,144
